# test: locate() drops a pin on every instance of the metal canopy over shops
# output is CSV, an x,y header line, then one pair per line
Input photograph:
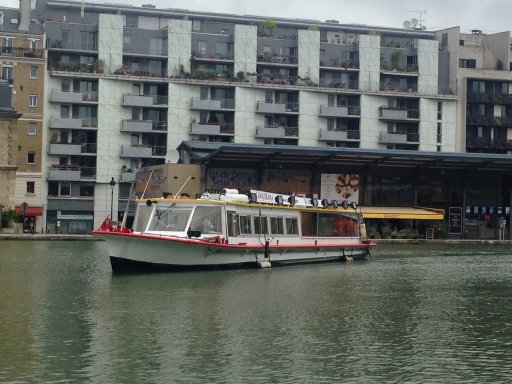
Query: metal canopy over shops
x,y
307,157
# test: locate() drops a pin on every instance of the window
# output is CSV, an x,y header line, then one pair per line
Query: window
x,y
127,41
33,44
292,226
32,101
467,63
31,158
196,25
32,128
64,188
34,72
439,110
31,186
244,225
7,71
276,226
6,44
88,40
260,225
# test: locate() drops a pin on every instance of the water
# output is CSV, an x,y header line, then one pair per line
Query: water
x,y
412,313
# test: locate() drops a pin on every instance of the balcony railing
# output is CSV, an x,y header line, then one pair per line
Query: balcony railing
x,y
130,100
204,128
212,56
398,114
144,72
277,59
488,143
142,150
398,87
277,132
73,123
22,52
70,172
277,107
477,97
131,125
212,104
351,84
493,121
339,135
58,96
399,138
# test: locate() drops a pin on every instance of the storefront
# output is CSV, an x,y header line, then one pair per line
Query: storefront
x,y
473,190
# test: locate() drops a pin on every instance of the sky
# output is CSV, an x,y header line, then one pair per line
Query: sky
x,y
490,16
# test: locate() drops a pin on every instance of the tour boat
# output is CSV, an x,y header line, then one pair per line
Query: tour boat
x,y
261,229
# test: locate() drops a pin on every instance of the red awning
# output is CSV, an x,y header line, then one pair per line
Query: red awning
x,y
31,211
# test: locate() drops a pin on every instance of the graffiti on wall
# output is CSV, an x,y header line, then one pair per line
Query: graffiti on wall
x,y
243,180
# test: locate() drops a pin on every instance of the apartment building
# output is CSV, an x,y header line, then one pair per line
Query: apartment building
x,y
125,86
23,62
481,67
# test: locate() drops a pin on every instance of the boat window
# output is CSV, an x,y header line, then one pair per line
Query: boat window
x,y
142,217
309,223
207,219
261,225
292,226
329,224
245,225
276,226
232,223
171,218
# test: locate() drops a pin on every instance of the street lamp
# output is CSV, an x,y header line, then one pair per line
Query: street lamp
x,y
112,185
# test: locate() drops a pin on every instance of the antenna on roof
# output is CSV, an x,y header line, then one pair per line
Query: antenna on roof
x,y
415,23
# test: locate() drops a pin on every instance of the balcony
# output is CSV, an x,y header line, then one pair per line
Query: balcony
x,y
339,135
277,59
127,177
277,108
277,132
144,101
491,121
398,87
73,123
399,138
136,151
398,114
487,143
482,98
351,84
212,104
222,129
341,111
22,52
59,172
70,149
144,151
58,96
143,126
65,149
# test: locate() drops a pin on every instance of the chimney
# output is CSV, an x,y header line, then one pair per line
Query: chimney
x,y
25,15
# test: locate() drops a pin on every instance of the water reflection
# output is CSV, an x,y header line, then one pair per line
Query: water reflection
x,y
410,314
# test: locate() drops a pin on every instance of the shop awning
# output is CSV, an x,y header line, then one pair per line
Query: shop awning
x,y
402,213
31,211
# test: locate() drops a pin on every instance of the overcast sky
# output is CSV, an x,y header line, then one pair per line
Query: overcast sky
x,y
488,15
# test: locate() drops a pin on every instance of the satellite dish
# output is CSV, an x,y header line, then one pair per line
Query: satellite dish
x,y
172,156
414,22
407,24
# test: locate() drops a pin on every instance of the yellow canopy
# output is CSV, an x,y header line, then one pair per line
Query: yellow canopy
x,y
402,213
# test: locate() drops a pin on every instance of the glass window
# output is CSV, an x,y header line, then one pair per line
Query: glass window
x,y
245,225
203,46
64,188
207,219
34,72
32,128
31,157
276,226
32,101
171,218
31,187
292,226
7,72
127,41
33,44
88,40
260,225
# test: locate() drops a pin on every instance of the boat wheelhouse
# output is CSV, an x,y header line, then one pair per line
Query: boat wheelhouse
x,y
235,230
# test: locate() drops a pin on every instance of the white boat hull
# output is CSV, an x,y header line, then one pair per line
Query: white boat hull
x,y
132,252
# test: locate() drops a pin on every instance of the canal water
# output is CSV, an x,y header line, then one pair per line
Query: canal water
x,y
411,313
